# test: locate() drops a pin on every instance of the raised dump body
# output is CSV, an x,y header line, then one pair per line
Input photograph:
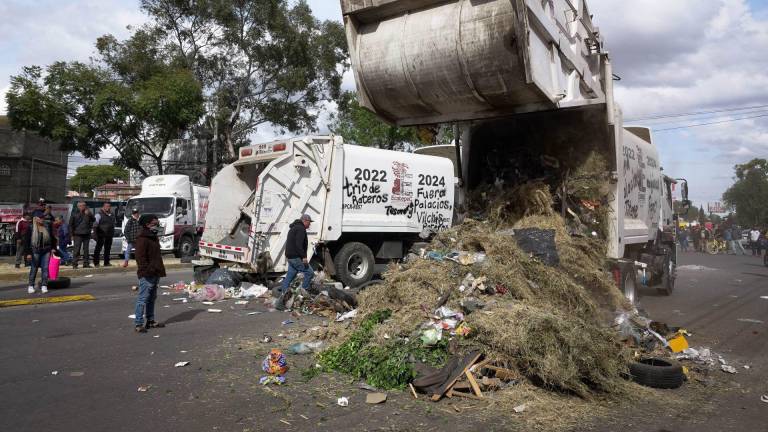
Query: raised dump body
x,y
529,84
430,61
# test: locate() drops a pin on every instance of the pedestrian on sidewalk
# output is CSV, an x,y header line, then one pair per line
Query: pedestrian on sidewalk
x,y
754,241
150,269
738,249
104,229
728,239
38,244
131,233
684,239
296,253
62,239
81,225
20,232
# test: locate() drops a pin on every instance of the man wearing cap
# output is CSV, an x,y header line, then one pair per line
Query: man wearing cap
x,y
296,254
150,269
131,233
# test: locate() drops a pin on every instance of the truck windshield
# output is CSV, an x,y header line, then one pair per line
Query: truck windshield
x,y
159,206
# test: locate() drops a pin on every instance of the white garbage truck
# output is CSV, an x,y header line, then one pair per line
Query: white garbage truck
x,y
181,207
521,80
368,206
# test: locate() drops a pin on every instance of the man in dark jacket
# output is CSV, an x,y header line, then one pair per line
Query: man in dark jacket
x,y
81,225
131,233
150,270
296,254
105,230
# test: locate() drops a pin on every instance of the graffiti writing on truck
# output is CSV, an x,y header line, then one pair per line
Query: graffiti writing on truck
x,y
402,184
360,192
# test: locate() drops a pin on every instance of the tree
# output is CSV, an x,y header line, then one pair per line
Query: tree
x,y
702,215
362,127
89,177
749,194
90,107
259,63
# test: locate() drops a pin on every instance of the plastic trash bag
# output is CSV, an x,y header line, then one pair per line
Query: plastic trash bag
x,y
225,278
209,293
540,243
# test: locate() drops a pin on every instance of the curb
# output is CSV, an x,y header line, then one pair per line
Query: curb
x,y
18,276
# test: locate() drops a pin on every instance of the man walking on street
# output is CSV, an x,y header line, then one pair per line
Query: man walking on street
x,y
21,230
131,232
81,224
105,230
738,249
150,269
728,239
296,253
754,241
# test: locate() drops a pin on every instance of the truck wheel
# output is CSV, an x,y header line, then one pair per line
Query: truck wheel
x,y
186,247
629,283
657,373
668,278
354,264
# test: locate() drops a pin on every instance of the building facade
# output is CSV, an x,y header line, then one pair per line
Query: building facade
x,y
31,167
116,192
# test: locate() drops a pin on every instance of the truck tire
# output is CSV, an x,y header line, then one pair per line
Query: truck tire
x,y
668,278
354,264
186,247
657,373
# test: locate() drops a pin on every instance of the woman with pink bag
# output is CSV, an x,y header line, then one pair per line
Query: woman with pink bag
x,y
38,244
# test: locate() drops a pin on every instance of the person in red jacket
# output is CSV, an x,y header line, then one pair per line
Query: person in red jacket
x,y
22,226
150,269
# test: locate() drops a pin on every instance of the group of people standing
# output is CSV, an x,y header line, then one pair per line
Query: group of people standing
x,y
703,236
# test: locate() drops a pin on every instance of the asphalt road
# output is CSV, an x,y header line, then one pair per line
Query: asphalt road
x,y
101,362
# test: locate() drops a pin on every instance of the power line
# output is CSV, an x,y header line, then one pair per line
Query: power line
x,y
710,123
704,117
660,116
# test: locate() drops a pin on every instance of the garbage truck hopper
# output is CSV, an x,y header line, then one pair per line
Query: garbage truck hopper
x,y
434,61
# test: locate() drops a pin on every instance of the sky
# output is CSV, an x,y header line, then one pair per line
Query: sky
x,y
673,57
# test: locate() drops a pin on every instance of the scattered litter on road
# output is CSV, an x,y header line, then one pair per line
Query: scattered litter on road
x,y
54,372
35,321
247,290
764,398
165,293
253,313
746,367
764,297
143,388
364,386
520,408
181,299
305,347
166,306
183,352
214,310
156,336
695,267
303,416
750,320
89,276
266,339
76,374
728,368
284,421
375,398
286,322
342,401
132,316
241,302
275,365
181,364
209,303
347,315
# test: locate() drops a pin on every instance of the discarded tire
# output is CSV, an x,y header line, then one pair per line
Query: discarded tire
x,y
657,373
60,283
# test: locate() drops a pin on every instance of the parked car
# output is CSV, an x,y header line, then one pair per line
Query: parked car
x,y
115,251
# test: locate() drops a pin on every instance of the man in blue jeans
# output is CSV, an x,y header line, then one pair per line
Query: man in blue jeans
x,y
150,269
296,254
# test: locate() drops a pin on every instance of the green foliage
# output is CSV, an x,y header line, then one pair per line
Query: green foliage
x,y
89,177
749,194
90,107
362,127
384,366
259,62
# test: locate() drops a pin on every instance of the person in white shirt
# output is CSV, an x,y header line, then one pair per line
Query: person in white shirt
x,y
754,241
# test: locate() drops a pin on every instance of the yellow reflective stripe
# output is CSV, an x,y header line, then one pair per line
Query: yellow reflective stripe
x,y
44,300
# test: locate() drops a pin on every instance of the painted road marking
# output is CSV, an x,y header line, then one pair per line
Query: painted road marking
x,y
44,300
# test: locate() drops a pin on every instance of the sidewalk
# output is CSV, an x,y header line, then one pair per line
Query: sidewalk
x,y
8,273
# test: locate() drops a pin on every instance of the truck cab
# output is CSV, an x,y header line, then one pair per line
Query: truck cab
x,y
180,207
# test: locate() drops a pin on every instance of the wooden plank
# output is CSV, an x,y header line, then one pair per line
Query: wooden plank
x,y
472,360
473,383
413,391
466,395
